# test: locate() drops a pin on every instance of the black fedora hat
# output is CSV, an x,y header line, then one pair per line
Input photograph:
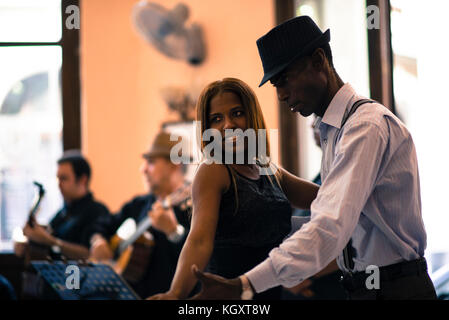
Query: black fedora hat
x,y
287,42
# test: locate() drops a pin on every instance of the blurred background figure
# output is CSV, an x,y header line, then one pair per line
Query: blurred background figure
x,y
170,223
69,232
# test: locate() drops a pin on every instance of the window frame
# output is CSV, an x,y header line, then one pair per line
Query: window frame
x,y
380,63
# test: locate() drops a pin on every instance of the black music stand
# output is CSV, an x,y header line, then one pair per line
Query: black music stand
x,y
96,282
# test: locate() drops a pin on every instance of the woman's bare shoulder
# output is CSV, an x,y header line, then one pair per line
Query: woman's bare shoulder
x,y
212,176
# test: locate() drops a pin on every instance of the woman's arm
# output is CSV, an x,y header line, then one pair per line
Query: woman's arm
x,y
208,185
299,192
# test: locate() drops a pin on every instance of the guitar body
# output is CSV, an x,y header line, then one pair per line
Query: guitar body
x,y
133,262
36,251
133,255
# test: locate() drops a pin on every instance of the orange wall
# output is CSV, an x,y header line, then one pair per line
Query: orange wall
x,y
122,76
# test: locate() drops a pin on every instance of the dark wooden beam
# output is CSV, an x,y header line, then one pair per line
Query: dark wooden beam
x,y
70,82
380,56
288,127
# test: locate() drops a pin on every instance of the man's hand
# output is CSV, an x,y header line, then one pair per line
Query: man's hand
x,y
99,249
163,219
163,296
303,289
214,287
20,248
39,234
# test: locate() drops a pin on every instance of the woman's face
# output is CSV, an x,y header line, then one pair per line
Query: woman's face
x,y
227,114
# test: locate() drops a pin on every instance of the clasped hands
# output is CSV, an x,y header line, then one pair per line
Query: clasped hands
x,y
213,287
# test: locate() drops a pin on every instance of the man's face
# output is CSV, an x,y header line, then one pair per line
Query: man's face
x,y
69,186
156,173
302,86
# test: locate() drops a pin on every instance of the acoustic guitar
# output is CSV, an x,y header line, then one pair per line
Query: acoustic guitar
x,y
133,254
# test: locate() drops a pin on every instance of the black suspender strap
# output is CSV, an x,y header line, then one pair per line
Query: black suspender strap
x,y
353,109
348,255
349,251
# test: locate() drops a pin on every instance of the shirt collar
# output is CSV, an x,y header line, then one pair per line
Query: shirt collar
x,y
336,109
79,202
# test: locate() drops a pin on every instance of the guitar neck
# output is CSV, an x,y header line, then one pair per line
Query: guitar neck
x,y
173,199
33,211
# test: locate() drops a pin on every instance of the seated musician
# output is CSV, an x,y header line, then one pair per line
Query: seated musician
x,y
69,232
169,226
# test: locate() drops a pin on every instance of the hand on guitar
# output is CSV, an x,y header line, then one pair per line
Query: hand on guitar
x,y
20,249
99,249
163,219
38,234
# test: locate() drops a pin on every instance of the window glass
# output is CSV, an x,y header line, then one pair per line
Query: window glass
x,y
30,132
30,20
349,44
419,81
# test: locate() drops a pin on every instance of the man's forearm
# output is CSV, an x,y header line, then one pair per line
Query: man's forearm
x,y
72,250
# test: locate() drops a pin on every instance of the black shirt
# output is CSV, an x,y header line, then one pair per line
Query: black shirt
x,y
74,222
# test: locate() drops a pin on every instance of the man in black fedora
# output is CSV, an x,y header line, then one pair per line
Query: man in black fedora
x,y
367,214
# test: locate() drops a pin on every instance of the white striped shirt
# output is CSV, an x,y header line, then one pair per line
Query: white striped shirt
x,y
370,193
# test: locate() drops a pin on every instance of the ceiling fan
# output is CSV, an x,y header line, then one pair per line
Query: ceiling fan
x,y
167,31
